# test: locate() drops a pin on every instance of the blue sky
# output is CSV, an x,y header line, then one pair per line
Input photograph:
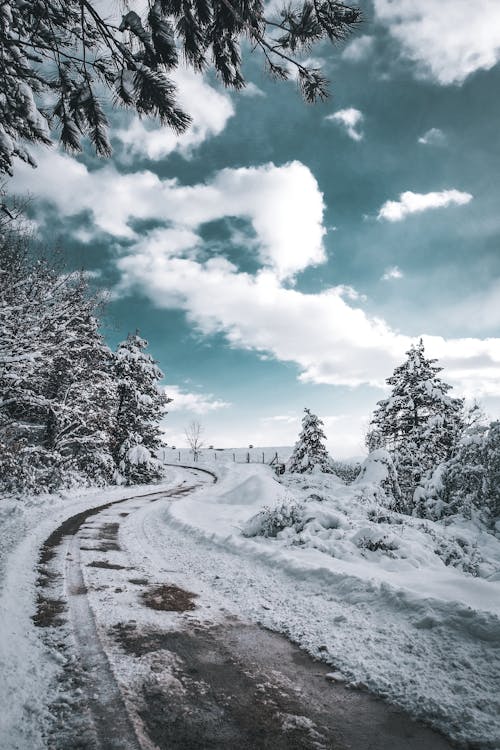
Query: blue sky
x,y
282,255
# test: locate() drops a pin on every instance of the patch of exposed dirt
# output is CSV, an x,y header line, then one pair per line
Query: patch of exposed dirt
x,y
48,612
139,581
47,577
108,531
106,565
108,547
169,598
139,643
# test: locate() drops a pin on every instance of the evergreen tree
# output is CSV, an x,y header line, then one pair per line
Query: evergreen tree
x,y
419,423
309,453
58,57
492,479
463,477
55,386
140,406
79,392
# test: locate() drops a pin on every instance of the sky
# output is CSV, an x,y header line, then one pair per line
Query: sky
x,y
281,255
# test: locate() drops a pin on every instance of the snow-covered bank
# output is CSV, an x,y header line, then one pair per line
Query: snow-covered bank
x,y
409,608
28,668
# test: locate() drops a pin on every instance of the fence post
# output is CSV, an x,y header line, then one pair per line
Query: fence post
x,y
234,457
248,458
179,456
215,456
262,457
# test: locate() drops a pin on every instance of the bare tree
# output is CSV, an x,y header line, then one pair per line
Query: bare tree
x,y
194,434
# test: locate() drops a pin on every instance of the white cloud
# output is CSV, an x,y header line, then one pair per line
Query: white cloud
x,y
251,90
349,119
448,40
327,335
209,108
198,403
413,203
393,272
359,49
433,137
282,203
330,340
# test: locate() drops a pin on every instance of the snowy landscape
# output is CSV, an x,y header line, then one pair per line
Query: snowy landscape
x,y
404,605
249,375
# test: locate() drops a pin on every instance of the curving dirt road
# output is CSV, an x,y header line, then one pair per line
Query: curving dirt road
x,y
147,663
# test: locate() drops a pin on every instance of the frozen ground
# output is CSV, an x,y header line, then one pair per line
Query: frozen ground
x,y
366,593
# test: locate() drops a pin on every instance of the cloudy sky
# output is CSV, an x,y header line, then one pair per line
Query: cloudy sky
x,y
281,255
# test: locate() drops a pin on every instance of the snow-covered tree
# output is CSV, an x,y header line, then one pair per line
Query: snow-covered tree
x,y
419,423
309,453
56,393
458,485
58,58
80,392
140,407
492,479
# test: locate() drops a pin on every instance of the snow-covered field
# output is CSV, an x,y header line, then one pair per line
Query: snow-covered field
x,y
406,607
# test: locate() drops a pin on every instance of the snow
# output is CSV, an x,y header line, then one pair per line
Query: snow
x,y
28,668
407,607
365,588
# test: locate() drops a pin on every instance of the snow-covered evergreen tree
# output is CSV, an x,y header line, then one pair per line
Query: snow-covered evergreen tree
x,y
140,407
492,479
309,453
80,392
56,392
419,423
458,485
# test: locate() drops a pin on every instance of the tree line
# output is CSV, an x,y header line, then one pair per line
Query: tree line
x,y
439,458
72,411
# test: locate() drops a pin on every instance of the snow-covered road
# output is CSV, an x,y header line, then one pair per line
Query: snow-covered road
x,y
149,647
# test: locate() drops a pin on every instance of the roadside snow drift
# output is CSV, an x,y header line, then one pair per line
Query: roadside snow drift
x,y
404,606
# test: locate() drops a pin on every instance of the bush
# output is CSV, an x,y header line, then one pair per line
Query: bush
x,y
346,471
270,521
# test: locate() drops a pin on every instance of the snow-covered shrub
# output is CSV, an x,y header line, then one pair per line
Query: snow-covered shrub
x,y
316,498
270,521
381,515
459,553
378,474
374,540
348,472
136,465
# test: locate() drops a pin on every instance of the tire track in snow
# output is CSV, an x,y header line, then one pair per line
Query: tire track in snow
x,y
112,724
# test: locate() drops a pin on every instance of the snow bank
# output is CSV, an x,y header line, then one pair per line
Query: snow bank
x,y
414,604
